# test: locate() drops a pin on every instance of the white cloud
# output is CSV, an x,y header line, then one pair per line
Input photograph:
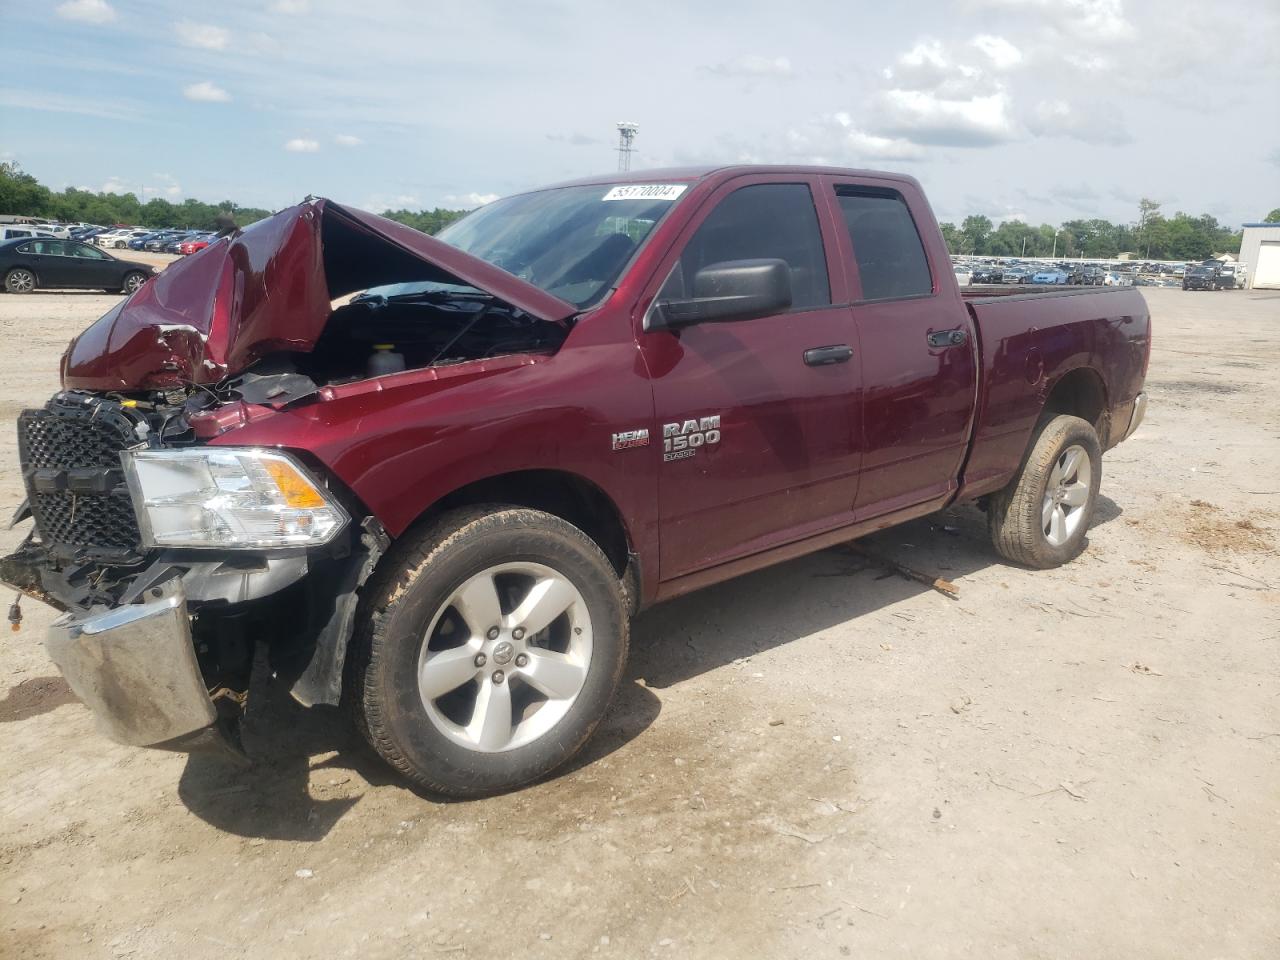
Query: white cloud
x,y
347,140
1101,123
114,185
205,92
754,66
1002,54
927,117
835,139
204,36
469,200
930,66
406,199
574,139
169,190
31,99
1090,20
291,7
87,11
302,145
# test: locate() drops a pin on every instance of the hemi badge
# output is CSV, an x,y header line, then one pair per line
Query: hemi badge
x,y
630,438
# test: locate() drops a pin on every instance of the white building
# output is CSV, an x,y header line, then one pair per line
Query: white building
x,y
1260,252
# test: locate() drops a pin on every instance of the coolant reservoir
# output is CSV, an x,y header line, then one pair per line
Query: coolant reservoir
x,y
384,360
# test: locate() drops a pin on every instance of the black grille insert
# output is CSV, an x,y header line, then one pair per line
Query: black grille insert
x,y
70,455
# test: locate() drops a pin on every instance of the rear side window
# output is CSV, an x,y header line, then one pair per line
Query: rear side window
x,y
886,245
766,220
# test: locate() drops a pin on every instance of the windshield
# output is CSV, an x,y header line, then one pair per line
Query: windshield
x,y
571,241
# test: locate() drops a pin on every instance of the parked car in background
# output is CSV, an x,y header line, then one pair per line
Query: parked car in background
x,y
40,263
139,242
1114,278
1204,276
964,276
1052,275
161,240
1238,274
121,242
1015,275
987,273
20,231
108,236
1087,276
195,244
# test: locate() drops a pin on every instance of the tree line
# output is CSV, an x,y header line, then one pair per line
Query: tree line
x,y
21,194
1152,237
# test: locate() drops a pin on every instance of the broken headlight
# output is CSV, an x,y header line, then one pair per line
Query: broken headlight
x,y
228,497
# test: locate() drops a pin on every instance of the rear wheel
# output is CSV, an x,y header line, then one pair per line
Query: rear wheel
x,y
1042,517
20,280
490,647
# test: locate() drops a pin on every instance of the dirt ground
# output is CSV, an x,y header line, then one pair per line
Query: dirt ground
x,y
818,760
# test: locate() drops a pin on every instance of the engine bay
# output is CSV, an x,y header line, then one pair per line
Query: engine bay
x,y
424,327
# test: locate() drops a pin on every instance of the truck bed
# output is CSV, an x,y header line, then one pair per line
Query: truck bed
x,y
1029,340
990,292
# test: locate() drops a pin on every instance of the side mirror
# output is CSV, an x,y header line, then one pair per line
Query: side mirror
x,y
728,291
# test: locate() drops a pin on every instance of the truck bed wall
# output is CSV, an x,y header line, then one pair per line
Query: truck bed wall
x,y
1028,342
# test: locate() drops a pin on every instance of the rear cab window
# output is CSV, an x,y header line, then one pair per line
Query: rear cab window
x,y
887,249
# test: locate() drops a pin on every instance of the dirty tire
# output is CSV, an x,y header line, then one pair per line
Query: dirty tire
x,y
1015,513
413,585
20,280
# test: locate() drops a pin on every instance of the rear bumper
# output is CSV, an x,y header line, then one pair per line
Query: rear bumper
x,y
1137,412
135,668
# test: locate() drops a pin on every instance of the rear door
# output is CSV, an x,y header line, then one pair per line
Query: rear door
x,y
918,350
50,261
756,439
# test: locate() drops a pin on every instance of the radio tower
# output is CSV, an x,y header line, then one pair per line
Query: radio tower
x,y
626,135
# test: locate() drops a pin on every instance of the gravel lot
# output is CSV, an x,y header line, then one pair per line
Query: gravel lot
x,y
816,760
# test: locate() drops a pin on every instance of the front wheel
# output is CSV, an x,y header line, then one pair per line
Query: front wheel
x,y
1042,517
490,645
132,281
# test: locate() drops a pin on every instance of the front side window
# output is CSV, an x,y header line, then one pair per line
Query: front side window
x,y
571,241
763,221
886,245
87,252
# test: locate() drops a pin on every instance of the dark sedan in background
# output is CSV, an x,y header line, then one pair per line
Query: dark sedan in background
x,y
28,265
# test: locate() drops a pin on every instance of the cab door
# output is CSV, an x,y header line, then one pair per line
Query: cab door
x,y
93,268
919,350
756,434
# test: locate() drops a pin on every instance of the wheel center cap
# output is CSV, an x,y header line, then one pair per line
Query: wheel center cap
x,y
503,652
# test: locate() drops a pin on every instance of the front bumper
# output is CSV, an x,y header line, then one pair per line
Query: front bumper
x,y
135,668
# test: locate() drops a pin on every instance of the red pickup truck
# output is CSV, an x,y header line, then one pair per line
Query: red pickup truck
x,y
442,499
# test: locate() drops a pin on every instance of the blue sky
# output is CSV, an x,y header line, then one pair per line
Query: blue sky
x,y
1040,109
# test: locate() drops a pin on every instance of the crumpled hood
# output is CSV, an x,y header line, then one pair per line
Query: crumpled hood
x,y
268,288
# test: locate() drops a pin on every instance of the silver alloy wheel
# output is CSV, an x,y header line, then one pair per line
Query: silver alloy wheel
x,y
1066,495
22,281
133,281
505,657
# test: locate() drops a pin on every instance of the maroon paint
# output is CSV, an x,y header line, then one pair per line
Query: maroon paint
x,y
808,455
261,290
